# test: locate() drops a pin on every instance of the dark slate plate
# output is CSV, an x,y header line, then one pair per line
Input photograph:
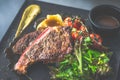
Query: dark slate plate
x,y
40,71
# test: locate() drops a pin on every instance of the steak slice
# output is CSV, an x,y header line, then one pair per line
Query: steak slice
x,y
24,42
50,46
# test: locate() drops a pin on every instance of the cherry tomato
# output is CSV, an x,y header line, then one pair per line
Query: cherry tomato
x,y
68,21
77,24
74,35
96,37
82,28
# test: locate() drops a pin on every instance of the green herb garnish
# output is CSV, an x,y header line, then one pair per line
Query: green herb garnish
x,y
84,64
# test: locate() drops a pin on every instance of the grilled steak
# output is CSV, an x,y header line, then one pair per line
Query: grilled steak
x,y
24,42
50,46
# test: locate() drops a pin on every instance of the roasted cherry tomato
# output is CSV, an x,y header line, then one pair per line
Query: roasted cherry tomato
x,y
82,28
68,21
96,37
74,35
77,24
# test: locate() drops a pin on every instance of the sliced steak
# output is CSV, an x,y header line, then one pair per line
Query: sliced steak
x,y
24,42
50,46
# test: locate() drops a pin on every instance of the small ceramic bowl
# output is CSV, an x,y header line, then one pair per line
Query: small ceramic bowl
x,y
105,19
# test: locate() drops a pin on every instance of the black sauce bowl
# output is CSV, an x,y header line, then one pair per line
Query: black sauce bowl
x,y
100,18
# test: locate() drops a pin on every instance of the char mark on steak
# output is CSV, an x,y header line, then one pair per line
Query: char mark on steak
x,y
50,46
24,42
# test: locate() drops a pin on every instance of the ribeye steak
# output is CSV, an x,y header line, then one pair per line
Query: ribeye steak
x,y
49,46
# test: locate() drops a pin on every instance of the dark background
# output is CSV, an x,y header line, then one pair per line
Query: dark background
x,y
9,9
9,12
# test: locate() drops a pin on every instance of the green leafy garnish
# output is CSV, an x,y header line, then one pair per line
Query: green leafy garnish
x,y
84,64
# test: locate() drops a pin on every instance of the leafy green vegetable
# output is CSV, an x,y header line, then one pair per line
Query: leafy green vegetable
x,y
84,64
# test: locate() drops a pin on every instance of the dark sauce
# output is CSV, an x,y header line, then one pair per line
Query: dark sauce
x,y
109,22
